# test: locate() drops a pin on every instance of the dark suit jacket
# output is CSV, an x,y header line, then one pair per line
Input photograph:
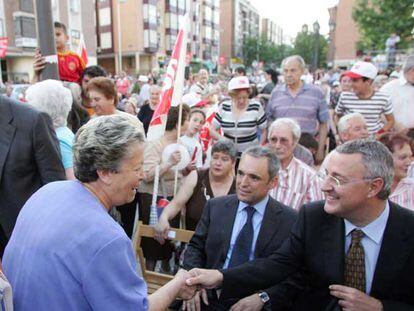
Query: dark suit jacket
x,y
29,157
210,242
317,244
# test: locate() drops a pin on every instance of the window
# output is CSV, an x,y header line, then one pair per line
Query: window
x,y
106,40
150,39
27,6
150,14
2,32
25,27
104,17
74,6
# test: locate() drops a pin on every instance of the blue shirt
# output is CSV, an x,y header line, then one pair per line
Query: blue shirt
x,y
308,107
371,242
240,220
67,253
66,138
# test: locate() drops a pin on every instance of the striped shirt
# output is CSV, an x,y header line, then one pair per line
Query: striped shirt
x,y
244,130
372,108
308,107
410,172
298,184
403,195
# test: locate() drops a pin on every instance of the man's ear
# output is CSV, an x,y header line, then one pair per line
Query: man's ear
x,y
376,186
105,176
273,182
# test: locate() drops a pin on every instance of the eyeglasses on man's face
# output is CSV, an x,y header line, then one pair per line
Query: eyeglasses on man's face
x,y
324,176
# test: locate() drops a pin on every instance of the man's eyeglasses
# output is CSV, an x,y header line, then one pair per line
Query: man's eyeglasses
x,y
332,180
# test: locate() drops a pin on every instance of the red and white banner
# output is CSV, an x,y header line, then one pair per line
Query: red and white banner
x,y
172,88
82,50
4,43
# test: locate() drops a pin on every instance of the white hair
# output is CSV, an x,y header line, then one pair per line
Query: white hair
x,y
290,123
343,123
296,58
51,97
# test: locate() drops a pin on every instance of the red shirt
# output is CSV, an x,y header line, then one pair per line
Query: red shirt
x,y
71,66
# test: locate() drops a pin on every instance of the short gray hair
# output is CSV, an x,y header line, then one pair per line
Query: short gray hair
x,y
409,63
102,144
264,152
343,123
290,123
296,58
377,160
225,146
51,97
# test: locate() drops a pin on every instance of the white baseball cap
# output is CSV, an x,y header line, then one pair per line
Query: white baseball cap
x,y
238,83
362,70
143,78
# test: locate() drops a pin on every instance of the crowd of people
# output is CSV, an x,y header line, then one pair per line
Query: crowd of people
x,y
299,189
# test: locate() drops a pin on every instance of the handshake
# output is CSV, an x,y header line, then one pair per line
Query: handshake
x,y
190,282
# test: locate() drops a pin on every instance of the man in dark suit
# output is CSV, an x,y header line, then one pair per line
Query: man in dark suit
x,y
29,158
357,247
216,244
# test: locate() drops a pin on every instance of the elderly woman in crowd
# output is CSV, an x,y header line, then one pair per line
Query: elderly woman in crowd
x,y
240,118
66,252
200,186
89,73
147,110
402,189
153,158
104,99
51,97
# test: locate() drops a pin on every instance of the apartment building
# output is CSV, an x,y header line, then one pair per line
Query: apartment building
x,y
139,35
18,24
271,31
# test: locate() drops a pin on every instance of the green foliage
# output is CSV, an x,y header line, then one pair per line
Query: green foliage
x,y
305,45
261,49
378,19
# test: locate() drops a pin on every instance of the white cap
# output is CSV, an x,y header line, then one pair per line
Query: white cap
x,y
336,83
238,83
143,78
362,70
191,99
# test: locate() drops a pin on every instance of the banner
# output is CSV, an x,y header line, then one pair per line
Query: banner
x,y
82,50
172,88
4,43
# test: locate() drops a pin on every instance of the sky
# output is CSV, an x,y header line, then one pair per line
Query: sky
x,y
292,14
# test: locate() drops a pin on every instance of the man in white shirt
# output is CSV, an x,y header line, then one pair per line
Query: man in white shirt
x,y
402,96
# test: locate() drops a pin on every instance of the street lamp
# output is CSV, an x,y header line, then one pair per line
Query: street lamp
x,y
305,28
316,29
119,35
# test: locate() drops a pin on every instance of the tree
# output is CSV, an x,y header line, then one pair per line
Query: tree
x,y
305,46
260,49
378,19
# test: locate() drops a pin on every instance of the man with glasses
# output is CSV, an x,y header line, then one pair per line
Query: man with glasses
x,y
373,105
298,183
356,247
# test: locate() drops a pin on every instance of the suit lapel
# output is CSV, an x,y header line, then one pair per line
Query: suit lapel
x,y
396,246
334,248
7,130
269,228
228,223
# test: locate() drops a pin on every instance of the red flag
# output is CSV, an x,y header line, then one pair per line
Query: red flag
x,y
172,87
4,43
82,50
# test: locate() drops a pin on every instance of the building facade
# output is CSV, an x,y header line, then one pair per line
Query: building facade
x,y
238,20
18,24
272,32
139,35
344,34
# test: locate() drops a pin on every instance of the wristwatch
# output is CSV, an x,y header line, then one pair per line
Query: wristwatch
x,y
264,297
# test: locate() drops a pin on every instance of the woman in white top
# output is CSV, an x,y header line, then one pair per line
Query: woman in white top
x,y
241,119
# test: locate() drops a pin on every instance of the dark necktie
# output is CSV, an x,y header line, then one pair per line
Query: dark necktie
x,y
355,262
243,245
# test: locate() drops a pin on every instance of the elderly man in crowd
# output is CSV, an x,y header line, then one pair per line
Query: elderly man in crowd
x,y
402,96
237,228
350,127
302,102
356,247
373,105
66,252
298,183
29,159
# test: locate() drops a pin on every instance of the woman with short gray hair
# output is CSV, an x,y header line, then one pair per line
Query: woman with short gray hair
x,y
52,98
65,236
